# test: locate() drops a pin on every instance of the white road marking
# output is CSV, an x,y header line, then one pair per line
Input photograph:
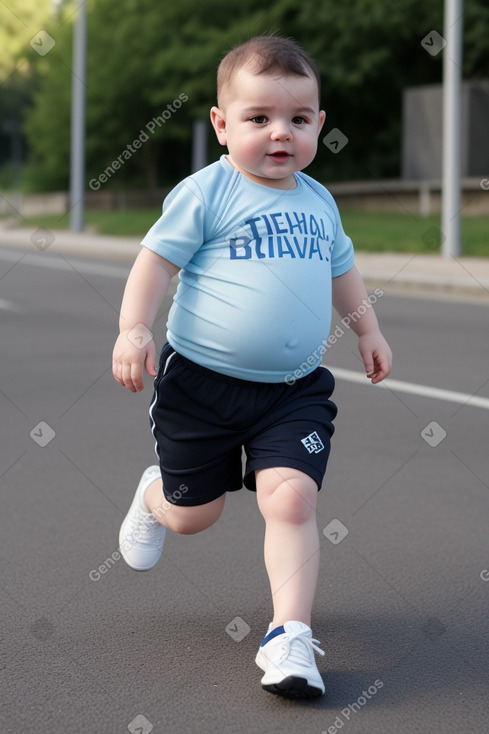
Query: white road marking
x,y
413,389
92,267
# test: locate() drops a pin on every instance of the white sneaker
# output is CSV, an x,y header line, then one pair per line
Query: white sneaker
x,y
141,536
286,655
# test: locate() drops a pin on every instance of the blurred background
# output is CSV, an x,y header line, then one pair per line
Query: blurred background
x,y
150,77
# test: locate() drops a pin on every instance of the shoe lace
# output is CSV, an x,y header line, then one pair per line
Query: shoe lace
x,y
140,528
301,652
314,645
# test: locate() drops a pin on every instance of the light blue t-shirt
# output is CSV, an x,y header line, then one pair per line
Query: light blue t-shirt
x,y
254,297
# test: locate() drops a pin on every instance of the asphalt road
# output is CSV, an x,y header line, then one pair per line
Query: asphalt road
x,y
90,646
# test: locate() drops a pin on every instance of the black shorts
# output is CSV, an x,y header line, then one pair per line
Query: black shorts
x,y
201,420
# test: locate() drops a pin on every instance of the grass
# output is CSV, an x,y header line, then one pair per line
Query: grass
x,y
386,232
370,231
125,223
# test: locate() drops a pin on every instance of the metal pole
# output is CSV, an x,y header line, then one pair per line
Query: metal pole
x,y
199,145
452,139
77,153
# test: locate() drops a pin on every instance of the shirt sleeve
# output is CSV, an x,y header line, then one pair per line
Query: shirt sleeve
x,y
342,256
180,231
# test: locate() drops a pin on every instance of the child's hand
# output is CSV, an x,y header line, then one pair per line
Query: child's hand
x,y
128,360
376,355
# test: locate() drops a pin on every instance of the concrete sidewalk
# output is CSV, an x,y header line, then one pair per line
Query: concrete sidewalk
x,y
465,277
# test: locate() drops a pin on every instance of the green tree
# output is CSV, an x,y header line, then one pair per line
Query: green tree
x,y
143,55
20,23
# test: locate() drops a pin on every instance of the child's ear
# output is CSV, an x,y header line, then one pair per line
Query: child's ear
x,y
322,117
219,124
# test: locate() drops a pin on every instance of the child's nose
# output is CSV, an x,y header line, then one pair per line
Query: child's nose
x,y
281,131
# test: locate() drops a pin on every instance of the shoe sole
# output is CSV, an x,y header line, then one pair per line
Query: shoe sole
x,y
293,687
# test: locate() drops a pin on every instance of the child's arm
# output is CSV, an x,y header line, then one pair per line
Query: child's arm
x,y
348,293
146,287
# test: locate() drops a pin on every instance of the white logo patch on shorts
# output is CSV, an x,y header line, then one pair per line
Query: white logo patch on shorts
x,y
313,443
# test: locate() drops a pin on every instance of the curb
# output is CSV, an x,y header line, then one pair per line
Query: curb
x,y
64,242
400,273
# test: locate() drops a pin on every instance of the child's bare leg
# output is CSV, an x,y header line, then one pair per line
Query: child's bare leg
x,y
287,500
182,519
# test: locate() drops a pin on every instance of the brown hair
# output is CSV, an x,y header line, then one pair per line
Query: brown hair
x,y
265,55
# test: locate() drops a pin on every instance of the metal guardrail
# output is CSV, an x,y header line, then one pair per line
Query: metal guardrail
x,y
415,197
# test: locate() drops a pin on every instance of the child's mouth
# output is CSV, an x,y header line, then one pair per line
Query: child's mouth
x,y
280,156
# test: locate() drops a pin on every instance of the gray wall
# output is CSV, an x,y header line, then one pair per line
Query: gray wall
x,y
422,131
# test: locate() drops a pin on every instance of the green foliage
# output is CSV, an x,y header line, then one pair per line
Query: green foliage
x,y
370,231
19,22
143,55
48,120
367,52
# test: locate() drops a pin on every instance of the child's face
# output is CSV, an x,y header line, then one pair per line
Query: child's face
x,y
270,125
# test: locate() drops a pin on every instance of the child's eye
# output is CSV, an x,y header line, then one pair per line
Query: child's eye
x,y
299,120
259,119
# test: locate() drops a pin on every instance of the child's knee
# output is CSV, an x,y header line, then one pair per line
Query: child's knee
x,y
292,500
193,519
186,523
